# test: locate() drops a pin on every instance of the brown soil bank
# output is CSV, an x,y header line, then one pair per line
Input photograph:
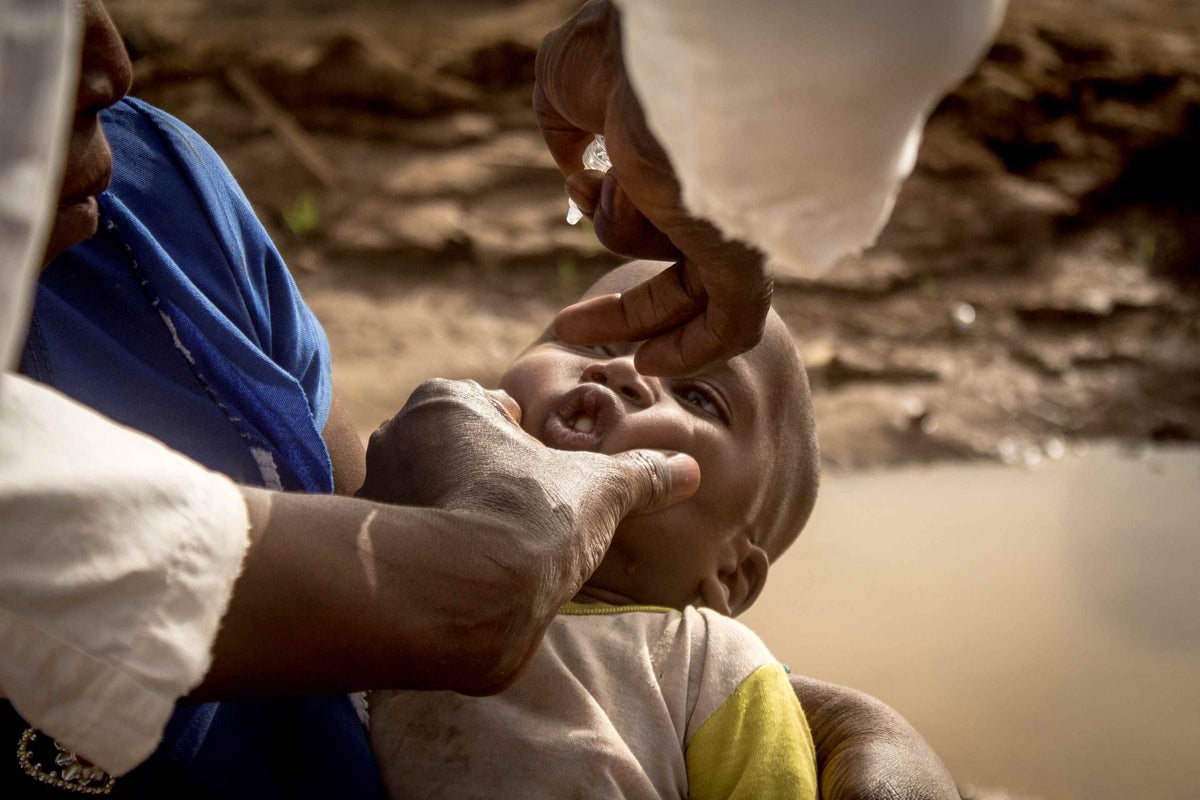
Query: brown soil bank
x,y
1038,285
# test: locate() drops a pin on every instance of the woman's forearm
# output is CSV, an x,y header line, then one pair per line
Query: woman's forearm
x,y
449,582
866,750
346,454
339,594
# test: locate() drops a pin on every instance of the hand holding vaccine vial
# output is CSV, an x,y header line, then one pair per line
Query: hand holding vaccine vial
x,y
595,156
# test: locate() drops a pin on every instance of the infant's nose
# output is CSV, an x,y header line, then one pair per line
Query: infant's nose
x,y
620,375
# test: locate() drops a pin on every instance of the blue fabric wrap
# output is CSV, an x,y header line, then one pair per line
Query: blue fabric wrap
x,y
180,319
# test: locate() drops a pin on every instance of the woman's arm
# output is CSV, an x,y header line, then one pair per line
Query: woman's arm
x,y
448,583
338,593
346,454
866,750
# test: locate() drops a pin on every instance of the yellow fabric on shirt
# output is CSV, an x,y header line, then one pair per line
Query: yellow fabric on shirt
x,y
756,745
618,702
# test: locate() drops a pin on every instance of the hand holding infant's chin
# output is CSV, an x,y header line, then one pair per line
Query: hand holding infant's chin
x,y
457,447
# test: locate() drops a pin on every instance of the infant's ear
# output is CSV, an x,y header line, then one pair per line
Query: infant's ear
x,y
732,591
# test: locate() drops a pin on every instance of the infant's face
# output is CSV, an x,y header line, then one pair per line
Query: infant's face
x,y
593,398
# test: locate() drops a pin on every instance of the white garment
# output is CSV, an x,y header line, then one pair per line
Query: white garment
x,y
633,702
117,556
117,560
39,53
792,123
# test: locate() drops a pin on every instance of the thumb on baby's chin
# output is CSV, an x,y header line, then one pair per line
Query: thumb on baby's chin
x,y
651,480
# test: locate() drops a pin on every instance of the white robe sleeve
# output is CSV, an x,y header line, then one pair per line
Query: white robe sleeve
x,y
117,561
792,123
117,556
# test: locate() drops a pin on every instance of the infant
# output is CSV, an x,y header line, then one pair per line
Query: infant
x,y
643,686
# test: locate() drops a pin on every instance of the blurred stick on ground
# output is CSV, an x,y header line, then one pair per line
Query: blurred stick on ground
x,y
290,134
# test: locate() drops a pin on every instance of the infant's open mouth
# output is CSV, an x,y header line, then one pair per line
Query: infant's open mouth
x,y
582,418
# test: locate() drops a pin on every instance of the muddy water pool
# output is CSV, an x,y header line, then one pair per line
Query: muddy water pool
x,y
1041,627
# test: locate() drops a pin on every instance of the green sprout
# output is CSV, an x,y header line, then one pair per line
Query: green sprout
x,y
303,217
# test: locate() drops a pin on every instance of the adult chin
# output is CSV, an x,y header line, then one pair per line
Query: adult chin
x,y
74,222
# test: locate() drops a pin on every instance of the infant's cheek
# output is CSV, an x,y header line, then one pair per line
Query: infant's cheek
x,y
532,422
643,535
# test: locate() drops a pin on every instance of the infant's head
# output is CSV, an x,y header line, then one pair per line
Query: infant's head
x,y
748,423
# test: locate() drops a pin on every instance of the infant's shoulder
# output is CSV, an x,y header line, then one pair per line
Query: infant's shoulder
x,y
729,644
700,632
697,656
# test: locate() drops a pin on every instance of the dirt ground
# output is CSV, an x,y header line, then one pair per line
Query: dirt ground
x,y
1037,287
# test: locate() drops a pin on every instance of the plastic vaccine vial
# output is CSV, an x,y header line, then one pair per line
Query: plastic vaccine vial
x,y
595,156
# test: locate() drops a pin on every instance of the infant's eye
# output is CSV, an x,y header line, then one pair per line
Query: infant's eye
x,y
597,350
590,349
699,398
